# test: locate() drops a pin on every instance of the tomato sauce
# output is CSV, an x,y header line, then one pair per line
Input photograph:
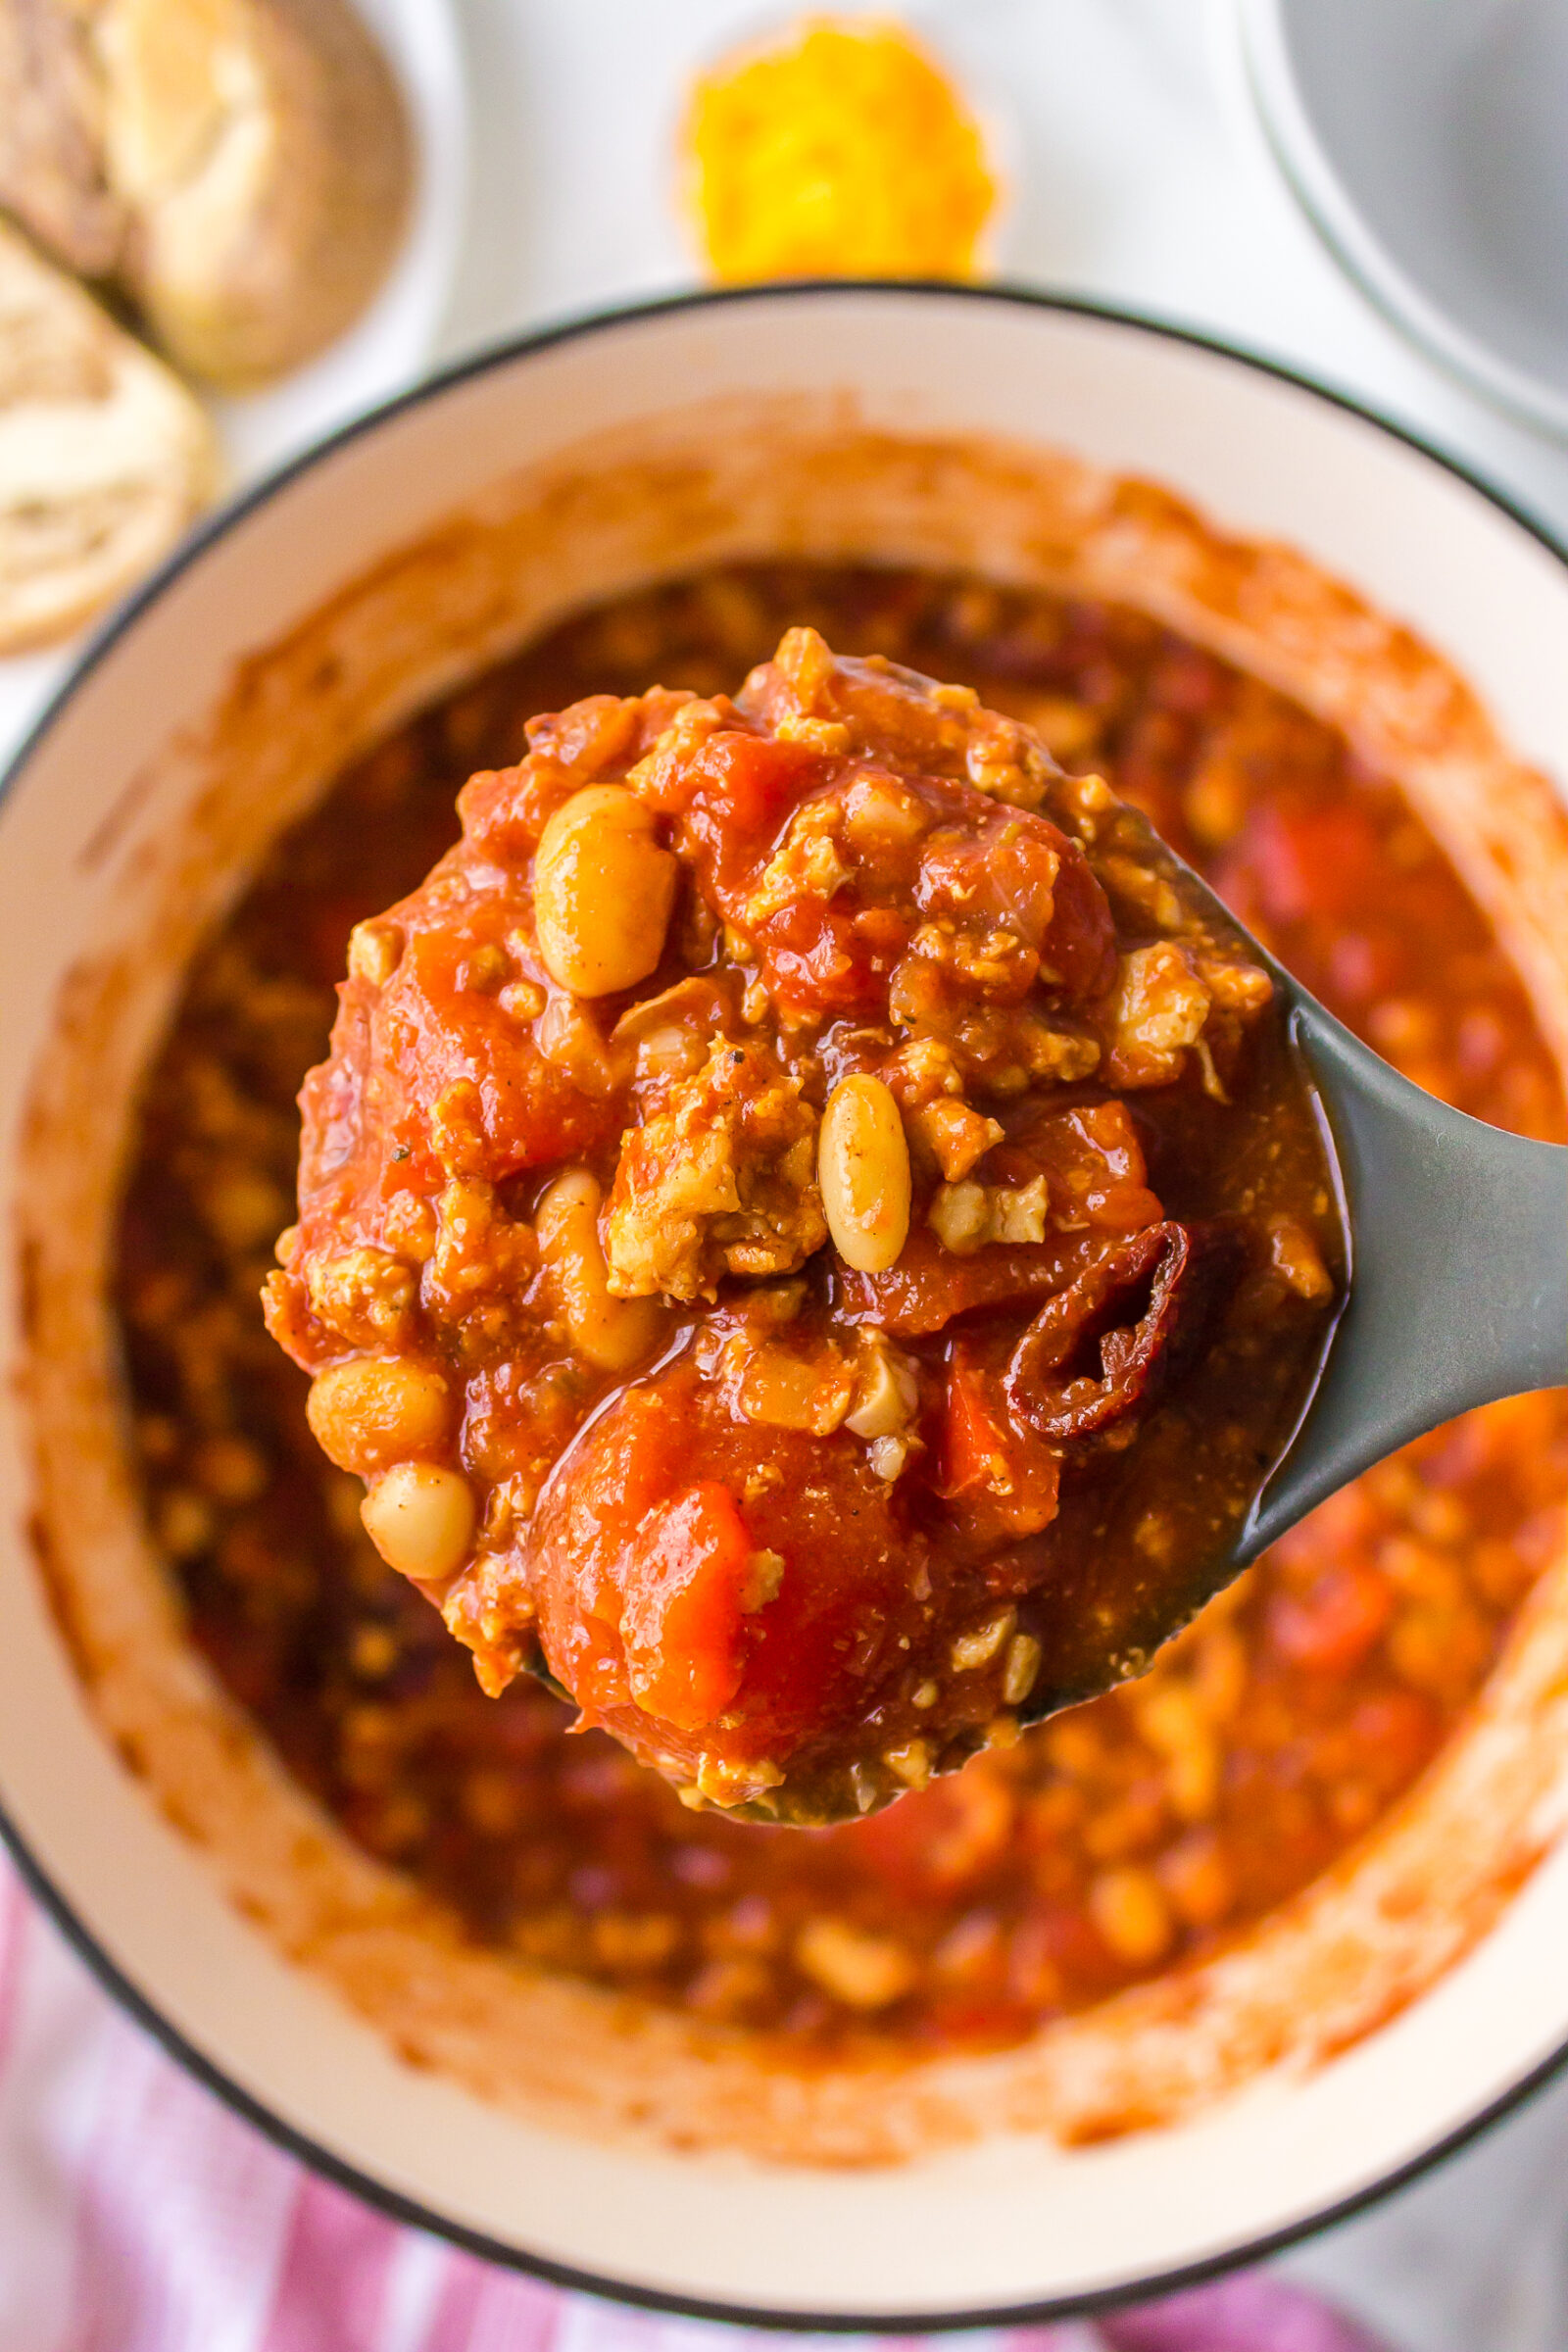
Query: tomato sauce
x,y
782,1085
1096,1848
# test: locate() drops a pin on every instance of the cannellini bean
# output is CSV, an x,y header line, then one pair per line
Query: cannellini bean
x,y
608,1333
861,1970
1130,1910
1172,1720
376,1410
420,1520
602,889
862,1166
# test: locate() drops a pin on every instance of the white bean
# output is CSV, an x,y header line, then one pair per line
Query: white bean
x,y
608,1333
602,889
862,1165
420,1520
377,1409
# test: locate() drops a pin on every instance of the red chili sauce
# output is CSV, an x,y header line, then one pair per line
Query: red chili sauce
x,y
1092,1850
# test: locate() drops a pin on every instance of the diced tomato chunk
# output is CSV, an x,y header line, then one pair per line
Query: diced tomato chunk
x,y
974,1440
1331,1626
1002,1481
1309,863
1397,1731
684,1585
753,780
947,1837
820,960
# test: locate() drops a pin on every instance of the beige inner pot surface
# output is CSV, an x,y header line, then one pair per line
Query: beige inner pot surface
x,y
793,477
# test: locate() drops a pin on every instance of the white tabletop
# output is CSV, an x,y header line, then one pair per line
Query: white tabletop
x,y
1144,180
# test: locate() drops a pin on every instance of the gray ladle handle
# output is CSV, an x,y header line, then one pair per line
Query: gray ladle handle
x,y
1459,1289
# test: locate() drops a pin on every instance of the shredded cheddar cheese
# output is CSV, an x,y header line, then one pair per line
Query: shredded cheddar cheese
x,y
840,150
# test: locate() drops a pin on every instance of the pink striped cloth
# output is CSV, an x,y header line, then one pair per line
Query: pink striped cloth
x,y
138,2215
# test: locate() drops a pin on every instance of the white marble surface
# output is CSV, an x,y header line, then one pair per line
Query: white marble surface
x,y
1143,181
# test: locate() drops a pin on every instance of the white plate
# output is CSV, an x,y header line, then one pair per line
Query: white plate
x,y
1428,142
386,347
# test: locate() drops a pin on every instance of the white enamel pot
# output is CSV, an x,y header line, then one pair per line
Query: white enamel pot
x,y
131,814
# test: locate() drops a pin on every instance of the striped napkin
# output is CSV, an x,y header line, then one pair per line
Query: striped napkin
x,y
138,2215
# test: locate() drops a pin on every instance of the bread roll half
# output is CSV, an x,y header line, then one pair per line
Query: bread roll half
x,y
261,150
104,456
240,169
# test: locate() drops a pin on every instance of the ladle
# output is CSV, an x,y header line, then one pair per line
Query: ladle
x,y
1458,1288
1458,1251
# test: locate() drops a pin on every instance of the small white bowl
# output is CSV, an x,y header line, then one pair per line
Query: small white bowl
x,y
211,709
1428,142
